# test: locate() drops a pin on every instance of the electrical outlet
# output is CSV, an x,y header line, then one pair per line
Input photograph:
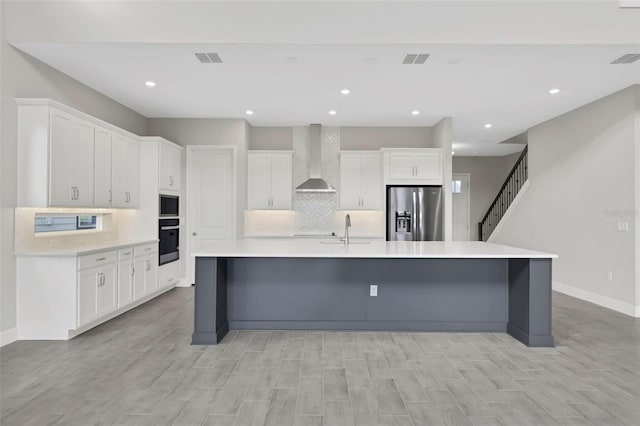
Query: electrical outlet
x,y
373,290
609,275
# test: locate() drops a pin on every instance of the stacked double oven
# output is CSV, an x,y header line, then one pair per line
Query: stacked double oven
x,y
169,229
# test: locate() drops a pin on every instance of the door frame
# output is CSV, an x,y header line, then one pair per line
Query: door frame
x,y
190,263
468,176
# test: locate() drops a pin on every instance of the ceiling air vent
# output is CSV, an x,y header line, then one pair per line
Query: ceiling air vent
x,y
629,58
415,58
209,58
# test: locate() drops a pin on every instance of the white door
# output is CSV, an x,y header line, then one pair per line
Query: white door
x,y
461,207
428,165
150,274
81,166
169,176
210,198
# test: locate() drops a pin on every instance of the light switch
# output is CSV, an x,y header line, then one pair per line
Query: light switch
x,y
623,226
373,290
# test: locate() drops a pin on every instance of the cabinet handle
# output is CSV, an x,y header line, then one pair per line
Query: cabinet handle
x,y
133,270
170,180
148,266
100,259
78,195
110,195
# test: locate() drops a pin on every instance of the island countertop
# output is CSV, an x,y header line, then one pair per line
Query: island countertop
x,y
366,249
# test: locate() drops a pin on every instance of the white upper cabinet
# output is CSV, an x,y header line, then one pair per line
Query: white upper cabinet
x,y
71,161
409,166
102,194
360,180
269,180
125,165
170,163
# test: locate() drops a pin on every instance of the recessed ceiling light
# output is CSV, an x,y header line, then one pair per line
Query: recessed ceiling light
x,y
453,153
291,59
332,112
345,91
150,83
554,91
248,112
415,112
488,126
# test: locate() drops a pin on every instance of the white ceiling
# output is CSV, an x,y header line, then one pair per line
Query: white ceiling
x,y
506,85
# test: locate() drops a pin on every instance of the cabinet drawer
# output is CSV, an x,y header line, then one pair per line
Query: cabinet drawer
x,y
145,249
125,253
97,259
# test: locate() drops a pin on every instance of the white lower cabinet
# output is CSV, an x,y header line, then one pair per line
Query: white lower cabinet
x,y
62,296
145,276
169,274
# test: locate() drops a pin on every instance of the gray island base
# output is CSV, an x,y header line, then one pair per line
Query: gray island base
x,y
510,295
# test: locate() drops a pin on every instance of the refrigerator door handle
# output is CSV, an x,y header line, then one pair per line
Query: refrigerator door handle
x,y
414,217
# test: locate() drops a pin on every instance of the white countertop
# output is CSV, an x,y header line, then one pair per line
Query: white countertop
x,y
289,247
84,249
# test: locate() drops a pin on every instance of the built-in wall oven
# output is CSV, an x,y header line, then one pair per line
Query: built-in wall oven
x,y
169,235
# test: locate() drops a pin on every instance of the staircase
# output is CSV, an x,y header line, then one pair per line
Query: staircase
x,y
510,188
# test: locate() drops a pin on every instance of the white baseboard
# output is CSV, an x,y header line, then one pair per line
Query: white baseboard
x,y
598,299
509,211
183,283
8,336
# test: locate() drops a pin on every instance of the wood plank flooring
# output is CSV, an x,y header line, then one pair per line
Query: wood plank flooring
x,y
140,369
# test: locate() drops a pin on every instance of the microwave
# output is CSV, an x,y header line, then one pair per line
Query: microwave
x,y
169,205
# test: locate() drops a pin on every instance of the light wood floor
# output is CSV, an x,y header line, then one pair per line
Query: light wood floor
x,y
140,369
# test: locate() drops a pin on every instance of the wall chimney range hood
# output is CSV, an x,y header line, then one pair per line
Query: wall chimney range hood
x,y
315,183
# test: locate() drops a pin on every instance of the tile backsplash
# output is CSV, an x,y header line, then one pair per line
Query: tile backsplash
x,y
314,213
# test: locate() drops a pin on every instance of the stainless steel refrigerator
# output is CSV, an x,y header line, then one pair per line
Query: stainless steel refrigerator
x,y
414,213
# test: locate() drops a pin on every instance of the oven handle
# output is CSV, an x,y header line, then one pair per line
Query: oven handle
x,y
169,228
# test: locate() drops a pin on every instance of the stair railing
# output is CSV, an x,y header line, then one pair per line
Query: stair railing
x,y
510,188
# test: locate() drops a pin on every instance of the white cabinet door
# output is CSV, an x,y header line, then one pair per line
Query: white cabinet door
x,y
170,168
150,273
259,182
125,282
281,181
138,278
371,182
125,165
88,281
108,290
81,164
70,161
350,182
401,166
102,168
428,165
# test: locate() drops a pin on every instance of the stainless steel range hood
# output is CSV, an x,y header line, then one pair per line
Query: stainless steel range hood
x,y
315,183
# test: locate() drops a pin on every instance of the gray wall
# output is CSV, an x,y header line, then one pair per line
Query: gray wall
x,y
351,138
374,138
23,76
581,173
271,138
487,174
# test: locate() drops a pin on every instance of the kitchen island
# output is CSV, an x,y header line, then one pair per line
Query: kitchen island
x,y
372,285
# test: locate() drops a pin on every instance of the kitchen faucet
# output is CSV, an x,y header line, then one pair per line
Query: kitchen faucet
x,y
347,225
